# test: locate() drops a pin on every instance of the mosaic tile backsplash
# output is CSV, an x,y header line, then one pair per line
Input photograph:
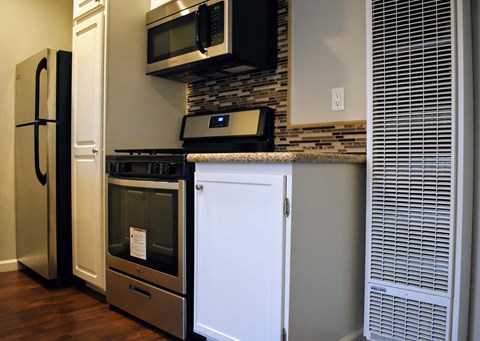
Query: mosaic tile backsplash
x,y
270,88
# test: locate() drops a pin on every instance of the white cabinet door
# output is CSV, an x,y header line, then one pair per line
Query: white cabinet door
x,y
239,252
87,151
81,7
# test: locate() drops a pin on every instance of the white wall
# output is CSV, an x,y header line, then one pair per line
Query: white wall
x,y
26,27
475,288
142,111
327,50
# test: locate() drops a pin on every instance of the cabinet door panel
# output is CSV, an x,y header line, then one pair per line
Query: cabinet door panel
x,y
87,151
239,252
81,7
87,237
87,79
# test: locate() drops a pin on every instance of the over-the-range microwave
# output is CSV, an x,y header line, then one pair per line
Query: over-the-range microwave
x,y
191,40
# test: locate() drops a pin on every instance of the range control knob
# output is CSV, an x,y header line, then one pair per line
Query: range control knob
x,y
170,169
121,167
161,166
154,168
112,168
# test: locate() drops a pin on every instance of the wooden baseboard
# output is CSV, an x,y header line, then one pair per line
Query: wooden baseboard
x,y
9,265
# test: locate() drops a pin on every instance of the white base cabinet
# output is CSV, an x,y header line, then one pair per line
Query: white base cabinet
x,y
239,252
279,249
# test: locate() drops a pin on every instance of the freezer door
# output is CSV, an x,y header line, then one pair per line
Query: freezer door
x,y
35,88
35,198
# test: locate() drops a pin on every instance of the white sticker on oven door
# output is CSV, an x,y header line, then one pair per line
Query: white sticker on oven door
x,y
138,243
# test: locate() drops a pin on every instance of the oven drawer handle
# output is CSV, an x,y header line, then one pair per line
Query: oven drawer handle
x,y
142,293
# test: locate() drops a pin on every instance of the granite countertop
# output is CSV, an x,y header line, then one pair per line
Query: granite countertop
x,y
276,157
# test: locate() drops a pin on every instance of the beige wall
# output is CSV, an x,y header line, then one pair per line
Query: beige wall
x,y
327,50
26,27
142,111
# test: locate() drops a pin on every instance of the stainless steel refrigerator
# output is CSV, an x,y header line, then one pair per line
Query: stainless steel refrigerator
x,y
42,160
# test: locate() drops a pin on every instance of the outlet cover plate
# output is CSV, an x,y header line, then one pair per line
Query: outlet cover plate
x,y
338,99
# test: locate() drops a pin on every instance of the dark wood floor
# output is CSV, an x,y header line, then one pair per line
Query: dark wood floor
x,y
29,311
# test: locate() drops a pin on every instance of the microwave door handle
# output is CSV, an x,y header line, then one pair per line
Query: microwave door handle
x,y
201,28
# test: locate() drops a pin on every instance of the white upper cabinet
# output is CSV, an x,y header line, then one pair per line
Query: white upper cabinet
x,y
81,7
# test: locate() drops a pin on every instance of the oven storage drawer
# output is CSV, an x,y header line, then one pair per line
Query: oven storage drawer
x,y
151,304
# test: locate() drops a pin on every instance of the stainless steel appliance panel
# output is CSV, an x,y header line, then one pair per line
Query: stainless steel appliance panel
x,y
171,8
35,88
52,199
241,123
42,157
151,304
32,201
226,46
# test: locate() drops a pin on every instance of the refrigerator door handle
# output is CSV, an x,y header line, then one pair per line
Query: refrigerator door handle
x,y
41,66
42,178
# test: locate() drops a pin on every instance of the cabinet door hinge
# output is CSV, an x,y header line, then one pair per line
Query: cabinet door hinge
x,y
287,207
284,335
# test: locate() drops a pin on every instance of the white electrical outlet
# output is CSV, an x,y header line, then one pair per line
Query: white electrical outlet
x,y
338,99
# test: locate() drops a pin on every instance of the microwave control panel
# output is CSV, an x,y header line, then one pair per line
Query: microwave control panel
x,y
217,23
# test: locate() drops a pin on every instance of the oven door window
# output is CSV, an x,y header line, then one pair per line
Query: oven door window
x,y
143,226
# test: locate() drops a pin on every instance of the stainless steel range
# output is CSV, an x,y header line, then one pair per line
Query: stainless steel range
x,y
150,216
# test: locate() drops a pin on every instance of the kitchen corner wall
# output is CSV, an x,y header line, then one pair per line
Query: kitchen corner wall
x,y
270,88
142,111
26,27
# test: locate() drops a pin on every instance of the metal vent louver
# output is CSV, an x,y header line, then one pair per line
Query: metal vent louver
x,y
395,318
412,142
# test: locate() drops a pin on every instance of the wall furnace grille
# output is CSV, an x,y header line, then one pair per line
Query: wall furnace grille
x,y
412,142
394,318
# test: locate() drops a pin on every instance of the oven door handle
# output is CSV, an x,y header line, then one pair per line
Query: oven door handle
x,y
143,184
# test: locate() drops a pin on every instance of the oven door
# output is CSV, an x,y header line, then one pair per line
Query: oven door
x,y
191,34
146,230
